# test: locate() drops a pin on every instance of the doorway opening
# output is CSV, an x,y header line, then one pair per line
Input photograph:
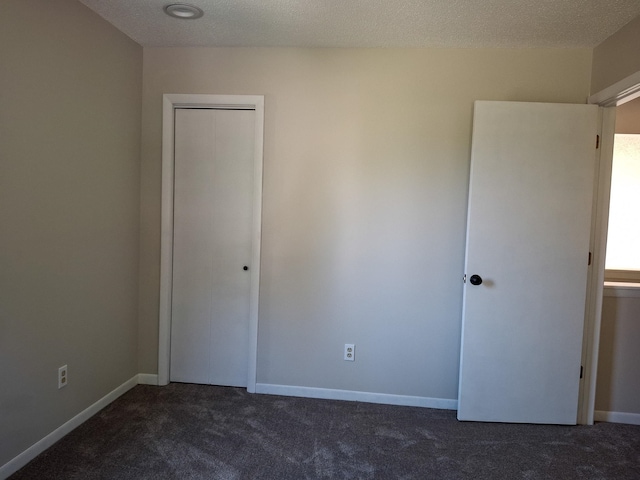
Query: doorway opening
x,y
616,391
611,97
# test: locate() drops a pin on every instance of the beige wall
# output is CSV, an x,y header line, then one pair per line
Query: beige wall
x,y
628,117
618,387
70,88
617,57
365,190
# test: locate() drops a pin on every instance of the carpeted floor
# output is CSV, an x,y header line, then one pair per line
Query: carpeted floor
x,y
203,432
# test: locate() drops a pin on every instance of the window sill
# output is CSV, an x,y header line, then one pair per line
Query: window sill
x,y
621,289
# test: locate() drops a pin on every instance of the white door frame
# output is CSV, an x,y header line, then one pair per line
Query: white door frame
x,y
621,92
238,102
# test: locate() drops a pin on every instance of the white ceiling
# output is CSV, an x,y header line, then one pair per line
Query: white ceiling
x,y
373,23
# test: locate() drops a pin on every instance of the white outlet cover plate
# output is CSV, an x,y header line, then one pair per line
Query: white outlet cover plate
x,y
62,376
349,352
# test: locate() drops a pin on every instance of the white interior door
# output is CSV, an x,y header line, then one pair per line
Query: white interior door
x,y
528,230
213,195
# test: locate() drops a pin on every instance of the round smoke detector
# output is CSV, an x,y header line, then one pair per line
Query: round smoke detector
x,y
183,11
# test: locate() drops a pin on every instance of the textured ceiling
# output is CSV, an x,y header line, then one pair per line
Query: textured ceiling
x,y
373,23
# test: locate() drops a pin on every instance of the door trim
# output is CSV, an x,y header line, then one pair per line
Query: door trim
x,y
619,93
170,103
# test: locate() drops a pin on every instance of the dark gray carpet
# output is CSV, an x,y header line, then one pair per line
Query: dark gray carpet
x,y
201,432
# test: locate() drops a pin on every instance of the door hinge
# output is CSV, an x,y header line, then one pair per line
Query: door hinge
x,y
589,263
597,141
581,370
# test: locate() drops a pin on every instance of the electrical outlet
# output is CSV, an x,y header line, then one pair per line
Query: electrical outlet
x,y
349,352
62,376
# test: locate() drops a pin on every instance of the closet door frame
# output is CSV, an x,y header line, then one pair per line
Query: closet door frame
x,y
238,102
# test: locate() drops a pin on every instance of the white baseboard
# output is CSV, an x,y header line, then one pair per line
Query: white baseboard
x,y
617,417
40,446
349,395
147,379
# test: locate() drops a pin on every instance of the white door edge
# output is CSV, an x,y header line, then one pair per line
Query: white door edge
x,y
619,93
170,103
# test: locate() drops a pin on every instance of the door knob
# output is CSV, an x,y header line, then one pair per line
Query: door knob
x,y
475,280
245,268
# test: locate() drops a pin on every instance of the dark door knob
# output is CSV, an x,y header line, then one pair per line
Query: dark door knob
x,y
245,268
475,280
